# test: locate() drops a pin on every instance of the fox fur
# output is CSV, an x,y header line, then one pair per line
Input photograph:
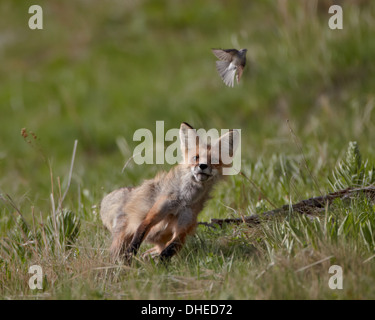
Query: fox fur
x,y
164,210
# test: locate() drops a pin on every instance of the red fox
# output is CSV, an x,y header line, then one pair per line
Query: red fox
x,y
164,210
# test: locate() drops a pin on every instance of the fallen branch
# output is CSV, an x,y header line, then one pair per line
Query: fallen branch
x,y
308,206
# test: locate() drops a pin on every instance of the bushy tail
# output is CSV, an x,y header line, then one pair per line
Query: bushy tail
x,y
112,205
120,241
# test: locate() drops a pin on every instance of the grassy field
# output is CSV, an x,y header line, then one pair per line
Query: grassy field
x,y
99,70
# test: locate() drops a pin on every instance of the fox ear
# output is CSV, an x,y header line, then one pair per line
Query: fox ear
x,y
227,145
188,137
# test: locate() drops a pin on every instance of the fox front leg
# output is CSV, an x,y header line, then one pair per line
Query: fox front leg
x,y
171,249
157,213
186,224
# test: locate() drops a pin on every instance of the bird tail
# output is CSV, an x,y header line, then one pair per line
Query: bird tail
x,y
226,71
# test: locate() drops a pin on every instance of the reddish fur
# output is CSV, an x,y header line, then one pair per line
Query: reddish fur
x,y
162,211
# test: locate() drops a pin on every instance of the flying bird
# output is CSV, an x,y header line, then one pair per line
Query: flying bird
x,y
231,61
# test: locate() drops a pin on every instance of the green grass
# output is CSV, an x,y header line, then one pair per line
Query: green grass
x,y
98,72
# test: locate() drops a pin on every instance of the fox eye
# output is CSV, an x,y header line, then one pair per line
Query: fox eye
x,y
195,158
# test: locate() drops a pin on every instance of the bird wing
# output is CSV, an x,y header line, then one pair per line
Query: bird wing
x,y
226,71
224,54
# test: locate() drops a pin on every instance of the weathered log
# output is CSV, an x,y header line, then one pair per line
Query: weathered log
x,y
308,206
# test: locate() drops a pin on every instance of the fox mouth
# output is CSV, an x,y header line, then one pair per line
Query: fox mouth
x,y
201,176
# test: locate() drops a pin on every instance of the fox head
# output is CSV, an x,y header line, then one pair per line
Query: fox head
x,y
207,155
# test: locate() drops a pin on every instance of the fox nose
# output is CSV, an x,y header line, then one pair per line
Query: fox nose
x,y
203,166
